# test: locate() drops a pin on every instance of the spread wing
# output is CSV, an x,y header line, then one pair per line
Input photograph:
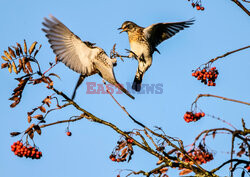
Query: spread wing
x,y
159,32
69,48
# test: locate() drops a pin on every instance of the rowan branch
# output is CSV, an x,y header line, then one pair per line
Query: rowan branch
x,y
168,162
242,7
236,133
229,161
215,96
156,170
224,55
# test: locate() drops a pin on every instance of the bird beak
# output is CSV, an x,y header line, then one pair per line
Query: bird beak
x,y
123,30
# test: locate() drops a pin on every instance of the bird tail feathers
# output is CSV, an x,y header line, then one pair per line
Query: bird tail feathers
x,y
137,84
124,90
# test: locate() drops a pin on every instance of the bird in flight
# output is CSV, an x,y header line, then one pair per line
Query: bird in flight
x,y
81,56
143,43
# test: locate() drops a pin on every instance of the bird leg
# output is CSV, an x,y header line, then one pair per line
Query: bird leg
x,y
131,54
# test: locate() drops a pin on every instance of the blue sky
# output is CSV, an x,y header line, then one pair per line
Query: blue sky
x,y
222,27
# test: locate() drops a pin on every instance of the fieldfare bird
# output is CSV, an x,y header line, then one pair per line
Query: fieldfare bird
x,y
143,43
81,56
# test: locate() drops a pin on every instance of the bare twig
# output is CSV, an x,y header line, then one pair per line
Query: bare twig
x,y
241,6
156,170
236,133
231,156
222,121
224,55
215,96
146,133
63,121
123,108
229,161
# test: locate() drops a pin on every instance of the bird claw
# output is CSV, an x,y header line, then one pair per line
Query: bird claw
x,y
131,54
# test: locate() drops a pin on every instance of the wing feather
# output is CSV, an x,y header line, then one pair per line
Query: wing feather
x,y
69,48
159,32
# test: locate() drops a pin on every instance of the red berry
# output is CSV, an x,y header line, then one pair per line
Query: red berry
x,y
202,114
202,8
69,133
198,7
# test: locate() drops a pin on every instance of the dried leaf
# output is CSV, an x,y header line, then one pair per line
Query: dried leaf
x,y
32,125
4,58
17,93
17,51
47,101
242,151
29,118
25,47
53,74
124,152
32,47
4,65
185,172
38,129
10,68
37,50
121,145
14,98
14,67
42,109
7,55
38,116
31,134
130,147
124,156
159,162
14,104
164,170
14,134
29,66
20,64
12,53
130,155
24,68
20,48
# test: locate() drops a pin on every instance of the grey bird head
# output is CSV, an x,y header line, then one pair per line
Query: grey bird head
x,y
128,26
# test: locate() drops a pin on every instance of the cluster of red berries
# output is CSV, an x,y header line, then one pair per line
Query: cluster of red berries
x,y
68,133
193,117
207,75
198,155
22,151
116,159
125,147
130,140
197,5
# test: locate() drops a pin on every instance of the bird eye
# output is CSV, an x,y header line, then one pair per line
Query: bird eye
x,y
129,26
